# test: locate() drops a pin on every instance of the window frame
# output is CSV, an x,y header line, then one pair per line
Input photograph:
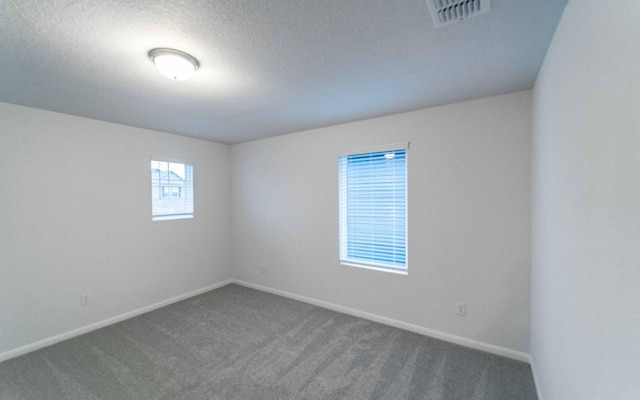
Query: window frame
x,y
344,257
184,191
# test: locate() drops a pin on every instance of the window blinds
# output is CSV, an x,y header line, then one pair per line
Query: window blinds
x,y
373,209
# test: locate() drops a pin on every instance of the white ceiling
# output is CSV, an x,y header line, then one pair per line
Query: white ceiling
x,y
268,67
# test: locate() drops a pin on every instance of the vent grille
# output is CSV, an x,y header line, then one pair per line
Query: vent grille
x,y
446,12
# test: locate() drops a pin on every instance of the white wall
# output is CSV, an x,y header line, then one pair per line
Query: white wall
x,y
586,206
75,217
469,218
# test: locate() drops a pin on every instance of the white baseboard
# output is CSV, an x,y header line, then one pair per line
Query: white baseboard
x,y
474,344
535,377
101,324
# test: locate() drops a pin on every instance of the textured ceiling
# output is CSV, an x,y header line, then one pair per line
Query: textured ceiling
x,y
268,67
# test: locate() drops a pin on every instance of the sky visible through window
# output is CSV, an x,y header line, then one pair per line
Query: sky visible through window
x,y
176,168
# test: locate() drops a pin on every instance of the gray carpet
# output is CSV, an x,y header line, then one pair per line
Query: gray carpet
x,y
239,343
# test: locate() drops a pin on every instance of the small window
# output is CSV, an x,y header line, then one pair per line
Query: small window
x,y
373,209
171,190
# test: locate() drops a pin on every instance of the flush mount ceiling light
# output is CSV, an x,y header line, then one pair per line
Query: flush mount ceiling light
x,y
174,64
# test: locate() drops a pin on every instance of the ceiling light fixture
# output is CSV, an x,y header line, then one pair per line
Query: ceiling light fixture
x,y
174,64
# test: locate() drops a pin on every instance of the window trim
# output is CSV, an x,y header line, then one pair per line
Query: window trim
x,y
342,231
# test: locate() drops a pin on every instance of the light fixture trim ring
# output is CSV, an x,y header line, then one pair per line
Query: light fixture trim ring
x,y
173,52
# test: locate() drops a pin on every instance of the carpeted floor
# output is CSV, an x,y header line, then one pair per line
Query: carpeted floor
x,y
239,343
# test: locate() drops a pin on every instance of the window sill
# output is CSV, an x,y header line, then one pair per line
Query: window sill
x,y
375,268
171,217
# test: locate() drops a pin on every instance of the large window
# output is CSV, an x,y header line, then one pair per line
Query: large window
x,y
171,190
373,208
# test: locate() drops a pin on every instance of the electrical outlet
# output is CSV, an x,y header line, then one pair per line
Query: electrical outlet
x,y
264,269
85,300
461,309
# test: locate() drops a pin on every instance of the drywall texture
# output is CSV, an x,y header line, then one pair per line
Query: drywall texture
x,y
469,225
586,207
75,208
267,67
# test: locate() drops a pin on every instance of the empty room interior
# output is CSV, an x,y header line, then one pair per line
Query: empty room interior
x,y
357,199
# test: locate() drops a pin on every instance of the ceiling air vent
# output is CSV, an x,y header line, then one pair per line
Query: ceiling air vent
x,y
446,12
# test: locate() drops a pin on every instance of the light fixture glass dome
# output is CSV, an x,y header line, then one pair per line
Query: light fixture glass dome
x,y
174,64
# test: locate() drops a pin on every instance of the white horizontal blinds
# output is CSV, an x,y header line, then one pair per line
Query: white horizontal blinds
x,y
171,190
373,209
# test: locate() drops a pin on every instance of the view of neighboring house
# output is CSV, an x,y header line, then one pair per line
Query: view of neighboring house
x,y
169,193
166,185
